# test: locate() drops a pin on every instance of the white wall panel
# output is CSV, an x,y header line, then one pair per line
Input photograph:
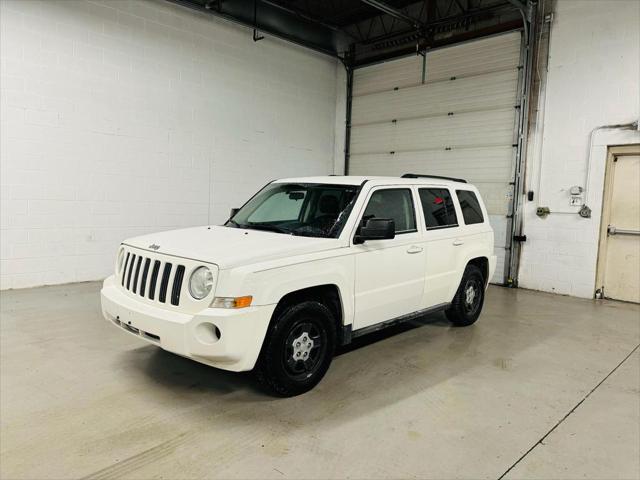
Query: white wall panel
x,y
475,129
477,57
501,258
593,79
476,93
404,72
480,164
120,118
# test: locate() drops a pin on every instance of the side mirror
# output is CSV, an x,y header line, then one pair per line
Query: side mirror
x,y
376,229
233,212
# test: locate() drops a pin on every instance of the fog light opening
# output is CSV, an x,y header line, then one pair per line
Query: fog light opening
x,y
208,333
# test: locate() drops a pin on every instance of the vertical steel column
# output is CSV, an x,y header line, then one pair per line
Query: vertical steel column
x,y
515,225
348,65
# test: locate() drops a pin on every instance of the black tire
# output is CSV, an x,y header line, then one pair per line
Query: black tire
x,y
279,370
469,299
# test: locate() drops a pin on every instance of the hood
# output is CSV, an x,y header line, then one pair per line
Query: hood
x,y
230,247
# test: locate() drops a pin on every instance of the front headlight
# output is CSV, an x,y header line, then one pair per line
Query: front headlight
x,y
200,283
120,260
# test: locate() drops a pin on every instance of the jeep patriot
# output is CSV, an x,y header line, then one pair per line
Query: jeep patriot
x,y
305,265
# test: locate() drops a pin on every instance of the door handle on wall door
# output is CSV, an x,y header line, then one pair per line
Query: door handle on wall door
x,y
457,242
414,249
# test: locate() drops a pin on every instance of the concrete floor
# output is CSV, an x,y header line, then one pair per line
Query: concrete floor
x,y
542,386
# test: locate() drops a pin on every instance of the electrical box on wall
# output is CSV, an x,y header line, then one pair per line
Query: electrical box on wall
x,y
575,198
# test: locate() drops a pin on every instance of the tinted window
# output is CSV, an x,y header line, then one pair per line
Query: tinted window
x,y
438,208
395,204
471,211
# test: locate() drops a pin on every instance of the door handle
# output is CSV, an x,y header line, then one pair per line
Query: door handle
x,y
611,230
457,242
414,249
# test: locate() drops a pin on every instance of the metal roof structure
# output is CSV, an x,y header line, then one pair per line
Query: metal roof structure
x,y
367,31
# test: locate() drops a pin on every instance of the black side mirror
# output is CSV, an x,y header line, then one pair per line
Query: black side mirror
x,y
376,229
233,212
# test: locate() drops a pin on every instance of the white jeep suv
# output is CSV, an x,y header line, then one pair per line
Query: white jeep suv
x,y
306,264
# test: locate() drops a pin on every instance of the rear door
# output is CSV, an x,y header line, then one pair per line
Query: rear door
x,y
389,274
442,244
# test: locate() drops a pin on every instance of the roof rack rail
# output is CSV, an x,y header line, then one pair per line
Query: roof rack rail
x,y
417,175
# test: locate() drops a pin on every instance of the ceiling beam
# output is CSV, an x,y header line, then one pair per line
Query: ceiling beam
x,y
430,28
523,6
518,3
373,58
389,10
269,17
357,12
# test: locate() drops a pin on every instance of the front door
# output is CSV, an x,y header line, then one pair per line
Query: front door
x,y
389,274
619,256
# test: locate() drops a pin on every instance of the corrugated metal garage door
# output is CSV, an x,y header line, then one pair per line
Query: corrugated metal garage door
x,y
451,114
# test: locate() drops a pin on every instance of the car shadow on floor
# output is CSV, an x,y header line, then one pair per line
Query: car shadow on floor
x,y
437,319
398,363
175,372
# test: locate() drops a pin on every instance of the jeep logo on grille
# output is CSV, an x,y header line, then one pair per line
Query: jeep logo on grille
x,y
153,246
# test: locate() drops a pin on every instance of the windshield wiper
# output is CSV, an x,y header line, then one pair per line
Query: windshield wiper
x,y
234,223
310,234
267,227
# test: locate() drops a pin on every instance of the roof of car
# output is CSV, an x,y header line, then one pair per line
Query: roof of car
x,y
375,180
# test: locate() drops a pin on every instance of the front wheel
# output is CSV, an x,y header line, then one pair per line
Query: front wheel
x,y
297,350
467,303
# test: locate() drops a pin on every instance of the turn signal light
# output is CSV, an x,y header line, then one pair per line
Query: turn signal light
x,y
232,302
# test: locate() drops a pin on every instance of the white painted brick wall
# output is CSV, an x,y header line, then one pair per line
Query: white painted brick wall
x,y
115,114
593,80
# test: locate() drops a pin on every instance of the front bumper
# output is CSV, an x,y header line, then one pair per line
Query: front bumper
x,y
223,338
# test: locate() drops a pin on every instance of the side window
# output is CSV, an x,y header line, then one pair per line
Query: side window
x,y
395,204
471,211
438,208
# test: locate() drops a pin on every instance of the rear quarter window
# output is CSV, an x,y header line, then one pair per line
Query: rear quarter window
x,y
470,206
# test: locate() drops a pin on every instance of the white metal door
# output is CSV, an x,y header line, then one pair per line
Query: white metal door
x,y
454,116
619,265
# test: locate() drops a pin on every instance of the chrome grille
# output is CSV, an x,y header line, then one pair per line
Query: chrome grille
x,y
139,277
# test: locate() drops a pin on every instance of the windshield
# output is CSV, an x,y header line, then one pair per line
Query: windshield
x,y
308,209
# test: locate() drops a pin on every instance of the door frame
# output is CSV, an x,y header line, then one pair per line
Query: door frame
x,y
613,153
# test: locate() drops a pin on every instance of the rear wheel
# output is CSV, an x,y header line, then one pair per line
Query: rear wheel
x,y
469,299
297,350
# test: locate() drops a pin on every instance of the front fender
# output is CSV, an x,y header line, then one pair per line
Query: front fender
x,y
270,283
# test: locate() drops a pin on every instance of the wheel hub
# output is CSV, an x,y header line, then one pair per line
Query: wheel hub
x,y
302,347
470,295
